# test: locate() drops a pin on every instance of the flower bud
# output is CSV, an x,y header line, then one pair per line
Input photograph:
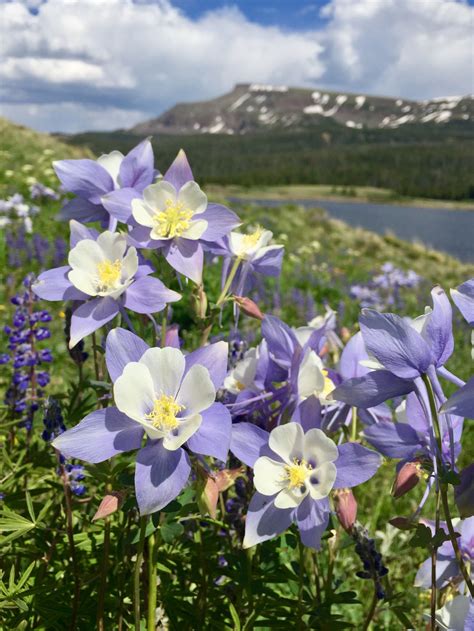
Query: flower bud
x,y
109,505
407,478
346,508
249,307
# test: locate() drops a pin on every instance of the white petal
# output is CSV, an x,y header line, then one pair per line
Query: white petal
x,y
186,428
142,213
290,498
157,194
129,265
287,442
166,367
236,243
112,244
197,391
321,480
83,281
319,448
310,376
111,163
269,476
85,256
193,198
195,230
134,392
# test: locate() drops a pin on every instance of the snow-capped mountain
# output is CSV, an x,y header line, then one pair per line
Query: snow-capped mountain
x,y
258,107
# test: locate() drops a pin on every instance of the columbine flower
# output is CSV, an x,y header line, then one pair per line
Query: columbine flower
x,y
403,351
253,253
463,297
447,567
456,615
411,437
106,274
294,473
165,396
174,215
106,185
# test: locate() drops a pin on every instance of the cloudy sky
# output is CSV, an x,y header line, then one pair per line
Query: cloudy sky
x,y
72,65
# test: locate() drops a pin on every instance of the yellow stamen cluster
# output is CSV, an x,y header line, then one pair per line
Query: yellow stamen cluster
x,y
251,240
297,473
109,273
164,413
328,385
172,221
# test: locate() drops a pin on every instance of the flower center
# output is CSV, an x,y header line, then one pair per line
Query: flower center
x,y
251,240
172,221
163,415
296,473
109,274
328,385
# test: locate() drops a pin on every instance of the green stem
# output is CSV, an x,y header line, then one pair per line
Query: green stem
x,y
354,424
454,540
152,582
164,323
228,282
443,488
371,612
136,572
300,585
434,554
103,577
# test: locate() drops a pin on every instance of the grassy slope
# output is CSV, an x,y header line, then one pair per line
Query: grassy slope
x,y
323,258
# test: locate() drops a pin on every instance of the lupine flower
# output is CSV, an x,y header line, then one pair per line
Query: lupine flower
x,y
28,327
374,569
403,351
294,472
447,567
105,187
456,615
165,396
106,276
174,216
40,191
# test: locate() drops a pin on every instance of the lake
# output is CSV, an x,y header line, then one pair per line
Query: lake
x,y
450,231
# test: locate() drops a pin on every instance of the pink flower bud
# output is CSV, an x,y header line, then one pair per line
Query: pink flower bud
x,y
208,495
346,508
407,478
249,307
109,505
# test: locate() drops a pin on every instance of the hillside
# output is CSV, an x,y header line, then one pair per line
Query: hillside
x,y
250,108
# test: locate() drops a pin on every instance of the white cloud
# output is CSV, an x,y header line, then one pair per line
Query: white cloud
x,y
83,64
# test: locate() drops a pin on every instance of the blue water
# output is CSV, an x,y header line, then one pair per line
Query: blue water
x,y
450,231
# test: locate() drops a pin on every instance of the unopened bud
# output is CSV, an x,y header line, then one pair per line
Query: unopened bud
x,y
208,495
249,307
345,334
172,336
200,302
346,508
407,478
109,505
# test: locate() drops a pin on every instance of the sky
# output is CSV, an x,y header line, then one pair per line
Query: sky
x,y
75,65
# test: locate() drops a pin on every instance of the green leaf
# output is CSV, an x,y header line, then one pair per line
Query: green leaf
x,y
235,617
171,530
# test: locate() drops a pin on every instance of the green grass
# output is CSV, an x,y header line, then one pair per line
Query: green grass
x,y
296,192
324,257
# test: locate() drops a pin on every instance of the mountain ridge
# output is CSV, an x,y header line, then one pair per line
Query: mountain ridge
x,y
254,107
